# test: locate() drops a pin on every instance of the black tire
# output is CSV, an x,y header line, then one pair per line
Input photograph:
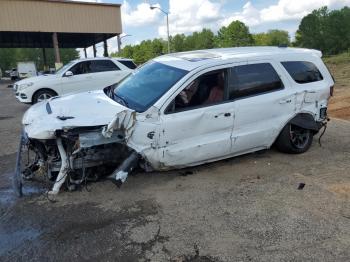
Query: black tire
x,y
43,94
294,139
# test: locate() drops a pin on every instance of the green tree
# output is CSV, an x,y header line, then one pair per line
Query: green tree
x,y
127,52
338,31
328,31
312,30
177,43
261,39
236,34
204,39
272,38
9,57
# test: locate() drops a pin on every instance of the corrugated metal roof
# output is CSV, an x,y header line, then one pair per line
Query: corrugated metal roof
x,y
59,16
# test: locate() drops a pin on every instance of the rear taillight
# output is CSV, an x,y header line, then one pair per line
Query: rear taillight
x,y
323,113
331,90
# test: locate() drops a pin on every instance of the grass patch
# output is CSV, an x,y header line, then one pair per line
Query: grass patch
x,y
339,65
337,59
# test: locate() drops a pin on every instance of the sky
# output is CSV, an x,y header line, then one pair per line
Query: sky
x,y
187,16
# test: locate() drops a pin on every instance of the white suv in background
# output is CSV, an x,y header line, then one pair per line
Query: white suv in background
x,y
77,76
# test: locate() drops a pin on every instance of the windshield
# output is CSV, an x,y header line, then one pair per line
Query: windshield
x,y
146,85
64,68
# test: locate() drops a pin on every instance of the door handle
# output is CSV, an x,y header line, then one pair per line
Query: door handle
x,y
225,115
285,101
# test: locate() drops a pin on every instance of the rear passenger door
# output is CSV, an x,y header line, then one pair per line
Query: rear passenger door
x,y
263,103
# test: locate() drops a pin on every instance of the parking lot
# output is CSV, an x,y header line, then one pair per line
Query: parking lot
x,y
246,208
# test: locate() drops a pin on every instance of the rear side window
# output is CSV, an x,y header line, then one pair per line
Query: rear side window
x,y
253,79
128,63
103,66
303,72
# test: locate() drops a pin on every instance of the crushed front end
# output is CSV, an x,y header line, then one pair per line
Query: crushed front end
x,y
68,147
74,157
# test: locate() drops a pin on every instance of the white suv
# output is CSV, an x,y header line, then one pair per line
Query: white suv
x,y
77,76
180,110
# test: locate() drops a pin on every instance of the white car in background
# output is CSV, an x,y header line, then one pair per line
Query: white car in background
x,y
77,76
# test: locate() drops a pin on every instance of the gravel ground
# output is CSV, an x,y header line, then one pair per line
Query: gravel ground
x,y
246,208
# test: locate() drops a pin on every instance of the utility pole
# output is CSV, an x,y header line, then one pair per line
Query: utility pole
x,y
167,23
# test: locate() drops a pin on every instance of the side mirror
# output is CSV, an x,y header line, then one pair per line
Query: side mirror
x,y
68,74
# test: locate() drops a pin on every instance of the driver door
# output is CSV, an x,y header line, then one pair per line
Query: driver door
x,y
194,134
82,79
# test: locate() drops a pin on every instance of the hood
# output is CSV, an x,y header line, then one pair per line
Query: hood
x,y
93,108
37,79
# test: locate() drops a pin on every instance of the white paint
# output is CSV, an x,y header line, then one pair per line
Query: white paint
x,y
198,135
61,177
123,120
122,176
91,108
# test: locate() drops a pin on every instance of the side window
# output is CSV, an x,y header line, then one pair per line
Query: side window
x,y
253,79
303,72
128,63
206,90
81,68
98,66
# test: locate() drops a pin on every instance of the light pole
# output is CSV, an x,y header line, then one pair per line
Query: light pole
x,y
167,23
119,39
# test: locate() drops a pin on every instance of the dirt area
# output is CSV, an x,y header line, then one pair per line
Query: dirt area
x,y
340,103
246,208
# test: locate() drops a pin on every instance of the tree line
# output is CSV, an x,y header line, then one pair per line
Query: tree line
x,y
325,30
235,34
9,57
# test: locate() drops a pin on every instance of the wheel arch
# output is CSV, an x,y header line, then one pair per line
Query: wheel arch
x,y
41,89
302,119
305,120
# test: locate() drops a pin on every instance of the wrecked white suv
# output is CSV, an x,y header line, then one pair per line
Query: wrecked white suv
x,y
180,110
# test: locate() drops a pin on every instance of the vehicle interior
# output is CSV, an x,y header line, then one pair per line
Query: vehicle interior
x,y
205,90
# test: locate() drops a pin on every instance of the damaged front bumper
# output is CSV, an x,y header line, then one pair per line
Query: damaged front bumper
x,y
74,157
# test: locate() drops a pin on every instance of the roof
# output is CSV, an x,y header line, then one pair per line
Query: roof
x,y
81,2
193,59
101,58
30,23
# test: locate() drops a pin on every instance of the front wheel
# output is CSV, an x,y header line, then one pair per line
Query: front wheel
x,y
294,139
42,95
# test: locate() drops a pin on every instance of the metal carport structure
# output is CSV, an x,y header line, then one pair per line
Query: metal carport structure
x,y
58,24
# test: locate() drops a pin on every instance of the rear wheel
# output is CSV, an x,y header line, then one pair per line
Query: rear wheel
x,y
42,95
294,139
